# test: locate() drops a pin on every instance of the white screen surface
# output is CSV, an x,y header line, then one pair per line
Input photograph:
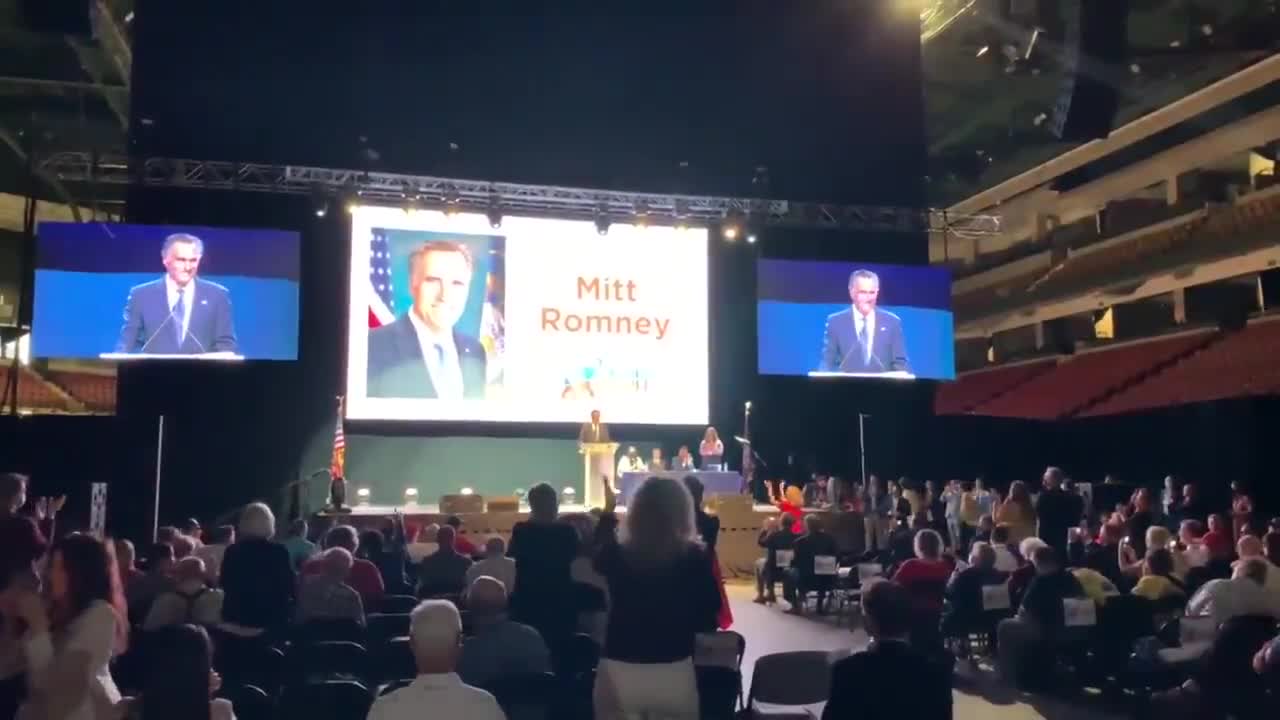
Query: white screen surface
x,y
554,320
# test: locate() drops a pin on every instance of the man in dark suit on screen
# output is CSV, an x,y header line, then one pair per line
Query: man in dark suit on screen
x,y
178,314
422,354
864,338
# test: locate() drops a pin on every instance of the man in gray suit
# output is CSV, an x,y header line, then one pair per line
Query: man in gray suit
x,y
864,338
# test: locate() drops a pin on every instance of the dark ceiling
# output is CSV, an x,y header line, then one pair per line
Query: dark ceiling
x,y
987,117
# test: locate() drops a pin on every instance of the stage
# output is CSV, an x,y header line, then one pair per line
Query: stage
x,y
736,546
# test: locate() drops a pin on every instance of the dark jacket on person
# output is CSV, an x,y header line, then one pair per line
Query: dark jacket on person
x,y
258,582
808,547
890,680
964,590
1043,599
1056,511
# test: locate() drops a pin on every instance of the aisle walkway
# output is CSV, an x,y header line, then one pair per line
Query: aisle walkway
x,y
979,696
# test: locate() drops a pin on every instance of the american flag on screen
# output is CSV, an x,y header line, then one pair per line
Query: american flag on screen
x,y
382,303
338,463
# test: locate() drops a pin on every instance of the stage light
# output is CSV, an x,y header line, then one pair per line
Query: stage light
x,y
322,208
748,405
752,237
641,217
411,496
731,227
568,496
602,222
320,200
468,491
363,494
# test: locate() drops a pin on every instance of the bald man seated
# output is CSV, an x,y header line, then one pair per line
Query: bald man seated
x,y
435,627
498,647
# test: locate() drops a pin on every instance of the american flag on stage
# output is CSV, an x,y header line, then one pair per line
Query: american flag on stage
x,y
338,463
382,299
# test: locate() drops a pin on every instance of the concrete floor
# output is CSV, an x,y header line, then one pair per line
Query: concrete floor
x,y
978,694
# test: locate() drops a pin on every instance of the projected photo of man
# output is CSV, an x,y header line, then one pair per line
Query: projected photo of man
x,y
179,313
864,338
423,354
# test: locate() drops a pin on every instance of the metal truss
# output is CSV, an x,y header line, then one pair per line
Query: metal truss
x,y
508,198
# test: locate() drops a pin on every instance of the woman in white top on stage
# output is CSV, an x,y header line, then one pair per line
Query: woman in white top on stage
x,y
70,644
711,450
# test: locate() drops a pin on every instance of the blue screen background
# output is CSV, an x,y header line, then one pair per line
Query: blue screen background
x,y
79,314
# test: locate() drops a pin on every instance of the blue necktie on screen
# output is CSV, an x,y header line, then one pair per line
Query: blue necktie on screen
x,y
863,335
179,316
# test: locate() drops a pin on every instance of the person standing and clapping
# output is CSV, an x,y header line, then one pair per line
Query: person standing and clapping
x,y
711,450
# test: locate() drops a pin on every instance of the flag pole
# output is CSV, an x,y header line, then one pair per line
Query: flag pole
x,y
155,511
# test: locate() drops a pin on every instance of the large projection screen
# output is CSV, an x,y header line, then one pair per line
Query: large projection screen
x,y
537,320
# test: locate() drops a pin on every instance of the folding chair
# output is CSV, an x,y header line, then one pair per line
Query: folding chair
x,y
790,678
381,627
330,699
250,702
723,650
328,660
398,604
526,697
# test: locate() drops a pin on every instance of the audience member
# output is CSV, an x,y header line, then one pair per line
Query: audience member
x,y
126,563
1020,579
212,552
498,647
178,679
69,645
1271,547
1158,582
391,562
952,499
167,534
774,537
890,679
1143,517
964,591
183,546
1056,511
444,572
1243,594
435,633
325,595
22,541
364,577
257,577
496,565
1026,642
191,528
1017,513
664,593
1241,510
802,576
1191,540
461,542
1006,558
300,548
1103,555
158,579
1131,563
544,551
924,577
1250,546
190,601
878,515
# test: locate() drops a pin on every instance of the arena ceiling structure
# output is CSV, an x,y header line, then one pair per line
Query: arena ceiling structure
x,y
994,72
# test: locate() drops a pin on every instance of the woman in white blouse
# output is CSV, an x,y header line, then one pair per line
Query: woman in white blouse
x,y
69,644
711,450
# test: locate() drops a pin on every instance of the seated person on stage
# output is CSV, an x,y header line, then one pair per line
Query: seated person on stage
x,y
325,595
656,463
800,577
890,679
683,459
631,462
711,450
773,537
499,647
443,572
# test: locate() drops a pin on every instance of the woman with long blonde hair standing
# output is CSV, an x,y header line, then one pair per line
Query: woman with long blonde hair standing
x,y
1017,513
664,593
711,450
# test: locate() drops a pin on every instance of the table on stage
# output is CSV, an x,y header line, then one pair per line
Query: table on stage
x,y
714,482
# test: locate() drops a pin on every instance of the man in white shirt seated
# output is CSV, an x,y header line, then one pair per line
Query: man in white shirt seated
x,y
191,601
631,462
1243,594
495,564
499,647
435,633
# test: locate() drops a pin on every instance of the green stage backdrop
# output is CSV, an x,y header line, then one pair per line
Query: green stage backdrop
x,y
440,465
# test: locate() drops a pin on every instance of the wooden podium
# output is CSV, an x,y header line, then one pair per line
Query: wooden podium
x,y
597,460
